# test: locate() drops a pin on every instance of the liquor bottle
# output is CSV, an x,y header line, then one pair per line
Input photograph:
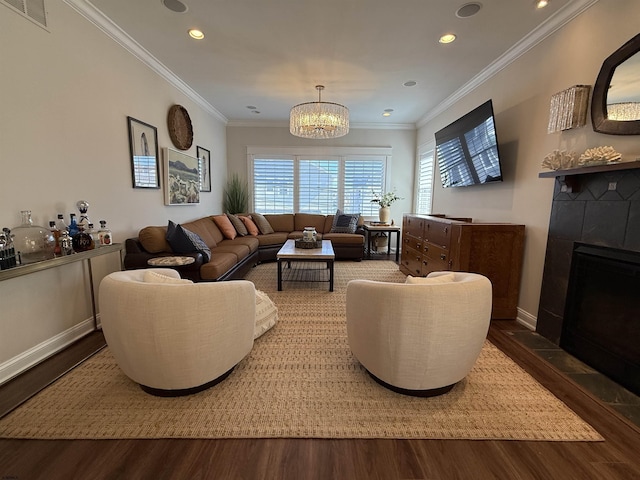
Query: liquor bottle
x,y
60,223
7,252
73,225
32,243
66,243
104,234
82,241
56,235
95,236
83,206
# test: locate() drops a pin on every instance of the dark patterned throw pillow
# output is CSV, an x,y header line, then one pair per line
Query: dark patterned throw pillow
x,y
185,241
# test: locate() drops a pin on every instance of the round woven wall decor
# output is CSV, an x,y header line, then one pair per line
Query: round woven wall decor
x,y
180,129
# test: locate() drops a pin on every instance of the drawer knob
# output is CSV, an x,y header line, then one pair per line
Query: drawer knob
x,y
443,256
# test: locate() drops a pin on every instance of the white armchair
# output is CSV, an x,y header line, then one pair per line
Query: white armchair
x,y
172,336
422,338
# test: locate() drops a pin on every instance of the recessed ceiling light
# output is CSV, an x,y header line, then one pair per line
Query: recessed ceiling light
x,y
542,3
410,83
468,10
197,34
386,114
447,38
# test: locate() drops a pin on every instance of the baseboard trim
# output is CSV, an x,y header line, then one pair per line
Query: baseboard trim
x,y
27,359
526,319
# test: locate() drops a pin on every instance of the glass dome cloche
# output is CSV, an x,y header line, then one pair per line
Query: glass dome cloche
x,y
34,243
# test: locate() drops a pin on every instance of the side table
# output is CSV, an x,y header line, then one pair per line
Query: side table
x,y
370,229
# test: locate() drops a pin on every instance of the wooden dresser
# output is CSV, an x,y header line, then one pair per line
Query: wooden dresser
x,y
436,242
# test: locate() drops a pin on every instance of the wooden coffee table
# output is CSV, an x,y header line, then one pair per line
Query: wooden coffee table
x,y
289,253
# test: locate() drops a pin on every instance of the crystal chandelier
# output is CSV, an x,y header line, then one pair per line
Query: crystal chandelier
x,y
319,119
626,111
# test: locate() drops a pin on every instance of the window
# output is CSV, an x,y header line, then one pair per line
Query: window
x,y
424,180
301,180
273,185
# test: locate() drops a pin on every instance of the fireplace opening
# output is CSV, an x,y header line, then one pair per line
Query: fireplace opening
x,y
601,323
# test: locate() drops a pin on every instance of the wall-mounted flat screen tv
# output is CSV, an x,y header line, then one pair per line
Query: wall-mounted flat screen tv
x,y
467,150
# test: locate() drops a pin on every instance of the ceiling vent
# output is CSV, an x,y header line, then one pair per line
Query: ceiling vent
x,y
32,9
175,6
468,10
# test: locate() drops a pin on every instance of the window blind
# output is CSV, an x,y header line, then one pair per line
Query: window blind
x,y
273,185
361,178
425,182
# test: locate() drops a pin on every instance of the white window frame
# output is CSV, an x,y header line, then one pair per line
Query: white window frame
x,y
305,153
424,151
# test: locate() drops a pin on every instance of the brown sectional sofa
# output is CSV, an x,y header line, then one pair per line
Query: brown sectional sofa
x,y
232,259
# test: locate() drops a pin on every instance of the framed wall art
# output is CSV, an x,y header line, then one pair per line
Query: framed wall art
x,y
204,156
143,149
181,178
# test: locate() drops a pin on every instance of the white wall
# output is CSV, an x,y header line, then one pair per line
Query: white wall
x,y
401,141
66,94
521,94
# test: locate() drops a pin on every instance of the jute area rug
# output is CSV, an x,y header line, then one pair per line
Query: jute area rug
x,y
301,380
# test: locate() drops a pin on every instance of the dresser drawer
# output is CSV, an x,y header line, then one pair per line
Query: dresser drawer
x,y
413,226
438,233
435,258
412,261
409,241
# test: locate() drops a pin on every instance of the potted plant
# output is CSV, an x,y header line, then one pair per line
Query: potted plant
x,y
236,195
385,200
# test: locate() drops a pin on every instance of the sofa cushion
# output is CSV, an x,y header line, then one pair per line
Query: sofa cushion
x,y
153,239
206,230
446,278
225,226
303,220
185,241
344,238
281,222
250,225
220,263
262,223
251,242
237,224
232,246
276,238
345,223
155,277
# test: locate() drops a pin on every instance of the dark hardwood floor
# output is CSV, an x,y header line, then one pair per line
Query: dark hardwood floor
x,y
615,458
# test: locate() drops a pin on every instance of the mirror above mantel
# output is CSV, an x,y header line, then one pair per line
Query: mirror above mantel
x,y
615,106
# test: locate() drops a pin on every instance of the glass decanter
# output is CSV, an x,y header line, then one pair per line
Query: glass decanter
x,y
31,242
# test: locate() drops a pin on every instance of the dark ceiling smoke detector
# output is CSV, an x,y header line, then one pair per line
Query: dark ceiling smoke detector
x,y
468,10
175,6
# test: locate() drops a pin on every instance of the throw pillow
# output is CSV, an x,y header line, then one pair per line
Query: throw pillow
x,y
262,223
345,223
252,228
447,278
225,226
266,314
155,277
237,224
185,241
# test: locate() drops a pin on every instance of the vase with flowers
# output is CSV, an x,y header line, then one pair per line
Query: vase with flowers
x,y
385,200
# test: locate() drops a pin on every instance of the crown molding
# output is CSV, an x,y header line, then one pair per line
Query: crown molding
x,y
352,126
100,20
537,35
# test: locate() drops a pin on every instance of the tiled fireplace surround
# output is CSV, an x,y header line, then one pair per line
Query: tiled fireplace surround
x,y
604,209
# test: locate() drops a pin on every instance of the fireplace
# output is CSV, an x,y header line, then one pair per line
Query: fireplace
x,y
602,312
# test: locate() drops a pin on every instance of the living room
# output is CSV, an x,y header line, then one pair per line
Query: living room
x,y
67,92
